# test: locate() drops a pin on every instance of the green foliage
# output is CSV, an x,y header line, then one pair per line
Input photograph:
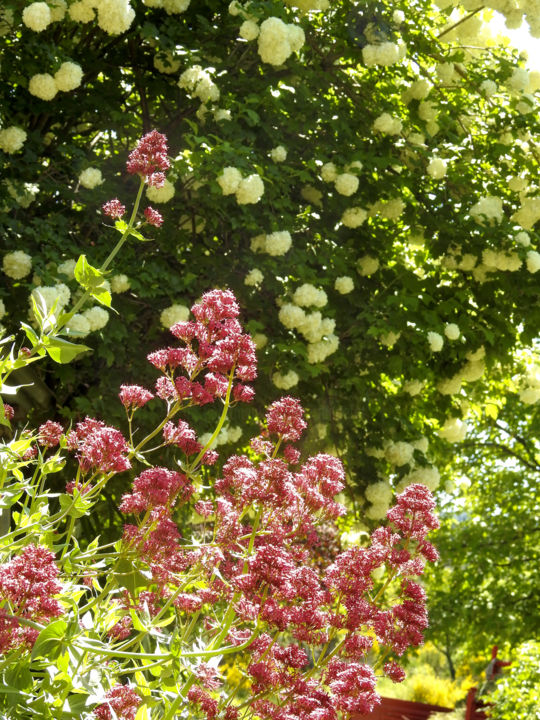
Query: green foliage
x,y
516,694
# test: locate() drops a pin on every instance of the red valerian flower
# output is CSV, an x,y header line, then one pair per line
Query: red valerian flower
x,y
285,417
28,583
149,158
134,396
153,217
49,433
122,700
114,209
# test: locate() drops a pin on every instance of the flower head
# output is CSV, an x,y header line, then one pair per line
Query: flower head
x,y
153,217
114,209
149,158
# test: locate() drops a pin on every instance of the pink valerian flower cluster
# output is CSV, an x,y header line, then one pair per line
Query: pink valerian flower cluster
x,y
149,159
99,448
121,702
28,584
153,217
214,349
134,396
49,433
114,209
156,487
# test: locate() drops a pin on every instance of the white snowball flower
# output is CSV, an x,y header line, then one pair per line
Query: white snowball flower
x,y
2,309
291,316
229,180
115,16
79,325
453,430
68,76
81,12
250,190
37,16
278,40
451,330
367,265
67,267
278,154
413,387
399,453
173,314
387,124
42,86
97,317
160,194
17,264
379,493
437,168
435,341
90,178
120,283
346,184
329,172
344,284
307,295
278,243
254,278
260,340
249,30
12,139
533,261
287,381
354,217
488,209
386,53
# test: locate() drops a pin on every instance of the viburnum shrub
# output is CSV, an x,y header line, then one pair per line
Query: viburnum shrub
x,y
147,626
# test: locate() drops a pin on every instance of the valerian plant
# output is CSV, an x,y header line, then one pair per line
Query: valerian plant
x,y
142,627
148,161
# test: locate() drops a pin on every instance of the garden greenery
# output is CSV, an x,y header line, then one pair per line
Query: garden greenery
x,y
142,627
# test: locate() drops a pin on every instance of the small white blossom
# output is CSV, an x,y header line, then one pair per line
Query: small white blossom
x,y
173,314
451,330
90,178
160,194
344,284
435,341
254,278
17,264
278,154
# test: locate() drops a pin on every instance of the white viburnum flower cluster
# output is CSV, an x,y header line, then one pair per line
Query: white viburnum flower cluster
x,y
166,63
318,331
451,330
198,83
97,317
249,30
530,391
427,475
533,261
12,139
37,16
24,194
435,341
308,295
67,268
160,194
248,190
275,244
91,178
260,340
120,283
488,209
45,86
2,309
346,183
312,195
380,496
367,265
437,168
278,154
307,6
353,217
287,381
254,278
413,387
471,371
398,453
386,53
17,264
389,209
528,214
344,285
388,124
113,16
454,430
390,338
227,434
54,296
499,260
173,314
78,325
277,40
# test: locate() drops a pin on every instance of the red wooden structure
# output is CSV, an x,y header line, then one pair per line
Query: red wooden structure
x,y
393,709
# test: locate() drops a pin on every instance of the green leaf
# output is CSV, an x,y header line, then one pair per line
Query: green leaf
x,y
50,640
62,351
92,280
75,506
